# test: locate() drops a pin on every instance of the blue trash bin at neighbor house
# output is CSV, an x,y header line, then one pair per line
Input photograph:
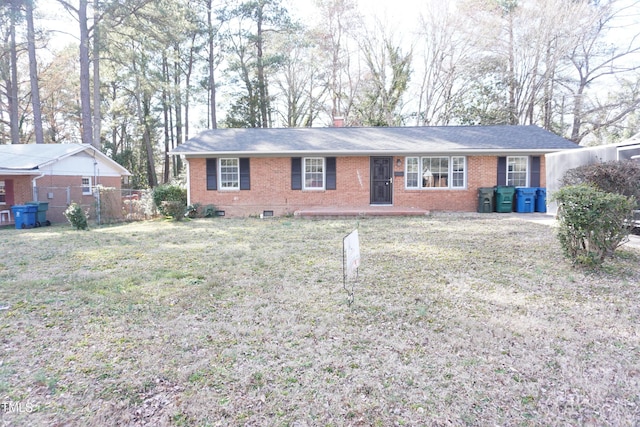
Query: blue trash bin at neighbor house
x,y
525,199
541,200
24,216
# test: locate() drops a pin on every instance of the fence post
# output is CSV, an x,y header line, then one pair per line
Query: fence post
x,y
99,208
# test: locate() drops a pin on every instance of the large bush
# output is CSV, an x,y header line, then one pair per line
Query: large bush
x,y
170,200
621,177
592,223
76,216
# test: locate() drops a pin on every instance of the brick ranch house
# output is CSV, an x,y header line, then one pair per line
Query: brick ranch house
x,y
55,173
284,171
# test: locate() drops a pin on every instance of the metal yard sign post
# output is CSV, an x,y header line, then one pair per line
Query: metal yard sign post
x,y
350,262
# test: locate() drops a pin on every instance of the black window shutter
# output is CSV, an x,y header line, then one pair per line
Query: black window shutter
x,y
296,173
535,172
502,171
212,174
331,173
245,177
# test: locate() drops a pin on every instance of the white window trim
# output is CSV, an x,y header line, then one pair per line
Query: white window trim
x,y
464,173
304,174
526,172
449,177
90,192
220,187
4,185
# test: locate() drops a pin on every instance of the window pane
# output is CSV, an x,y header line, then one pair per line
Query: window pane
x,y
435,172
457,172
412,172
314,173
517,171
3,192
86,185
229,173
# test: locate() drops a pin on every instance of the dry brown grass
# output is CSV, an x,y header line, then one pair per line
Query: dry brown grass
x,y
457,320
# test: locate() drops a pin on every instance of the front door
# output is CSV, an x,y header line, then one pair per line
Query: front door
x,y
381,180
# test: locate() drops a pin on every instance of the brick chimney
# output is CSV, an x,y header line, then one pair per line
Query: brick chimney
x,y
338,122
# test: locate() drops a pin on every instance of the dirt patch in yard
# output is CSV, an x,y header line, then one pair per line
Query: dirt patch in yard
x,y
466,319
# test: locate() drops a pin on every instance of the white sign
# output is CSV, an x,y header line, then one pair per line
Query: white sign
x,y
352,249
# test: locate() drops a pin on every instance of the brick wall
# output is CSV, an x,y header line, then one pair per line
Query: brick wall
x,y
22,189
59,190
271,187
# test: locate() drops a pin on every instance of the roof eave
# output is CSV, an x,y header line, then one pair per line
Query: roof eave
x,y
26,172
355,153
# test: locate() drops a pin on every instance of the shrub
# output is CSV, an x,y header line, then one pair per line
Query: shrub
x,y
196,210
174,209
76,216
147,204
592,223
621,177
170,193
193,211
209,211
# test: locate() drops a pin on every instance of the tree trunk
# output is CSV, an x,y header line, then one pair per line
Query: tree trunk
x,y
85,93
513,116
262,87
212,81
577,113
14,115
33,74
178,108
97,101
143,109
548,88
151,168
165,111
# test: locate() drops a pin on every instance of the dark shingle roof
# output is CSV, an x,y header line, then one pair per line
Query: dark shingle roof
x,y
378,140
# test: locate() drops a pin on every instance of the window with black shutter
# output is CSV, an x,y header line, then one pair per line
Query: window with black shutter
x,y
296,173
502,171
535,172
245,178
331,173
212,174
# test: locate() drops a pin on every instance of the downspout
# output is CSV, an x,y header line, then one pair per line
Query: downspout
x,y
188,183
96,188
35,188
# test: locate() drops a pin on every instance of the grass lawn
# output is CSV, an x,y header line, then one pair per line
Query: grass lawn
x,y
459,319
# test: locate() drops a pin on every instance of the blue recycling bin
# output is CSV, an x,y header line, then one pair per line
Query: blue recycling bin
x,y
525,199
24,215
541,200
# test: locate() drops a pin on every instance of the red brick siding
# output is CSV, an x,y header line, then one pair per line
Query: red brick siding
x,y
271,187
58,186
22,189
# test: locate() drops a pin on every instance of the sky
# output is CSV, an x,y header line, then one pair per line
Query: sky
x,y
399,12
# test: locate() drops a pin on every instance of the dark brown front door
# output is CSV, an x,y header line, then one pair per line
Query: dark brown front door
x,y
381,180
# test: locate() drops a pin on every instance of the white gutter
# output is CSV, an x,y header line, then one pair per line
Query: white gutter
x,y
35,191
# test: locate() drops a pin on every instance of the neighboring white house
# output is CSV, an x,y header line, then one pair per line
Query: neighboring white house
x,y
560,162
54,173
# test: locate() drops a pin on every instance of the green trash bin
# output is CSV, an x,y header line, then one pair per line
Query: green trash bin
x,y
486,200
41,216
504,198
